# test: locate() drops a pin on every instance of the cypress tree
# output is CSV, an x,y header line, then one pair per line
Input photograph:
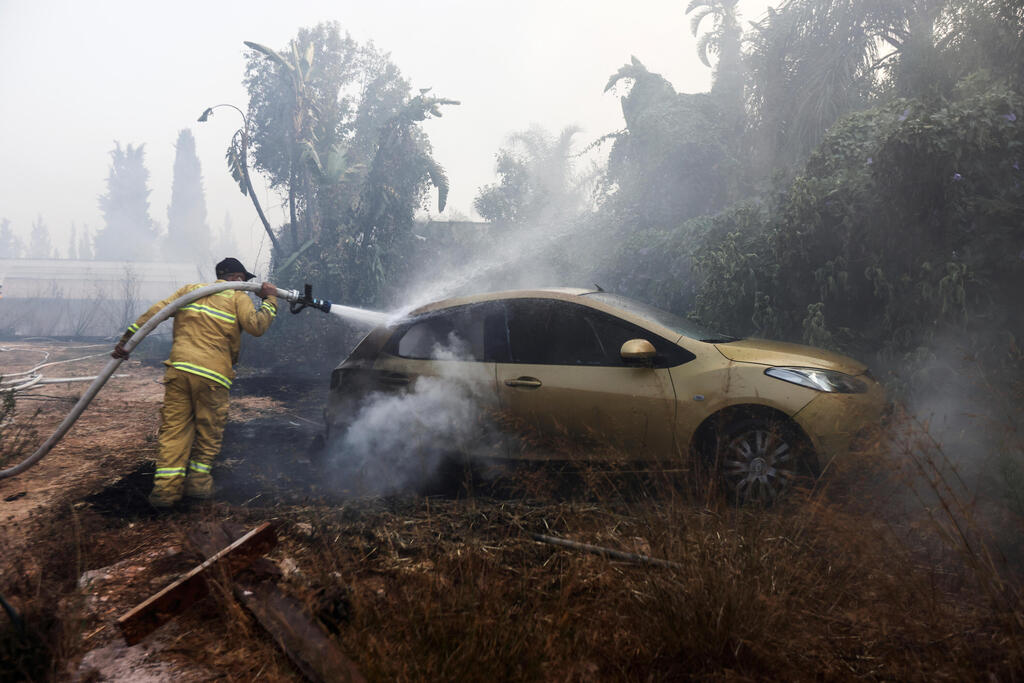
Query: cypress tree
x,y
188,236
73,243
39,245
128,233
85,245
10,245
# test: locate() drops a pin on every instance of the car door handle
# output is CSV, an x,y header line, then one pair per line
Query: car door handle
x,y
529,382
394,379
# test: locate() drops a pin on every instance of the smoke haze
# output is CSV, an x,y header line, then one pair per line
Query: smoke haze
x,y
120,71
399,441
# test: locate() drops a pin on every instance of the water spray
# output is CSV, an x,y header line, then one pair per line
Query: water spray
x,y
297,302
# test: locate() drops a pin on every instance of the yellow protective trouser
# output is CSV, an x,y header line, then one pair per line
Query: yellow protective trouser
x,y
192,424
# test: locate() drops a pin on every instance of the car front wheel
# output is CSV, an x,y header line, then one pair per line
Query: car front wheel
x,y
759,460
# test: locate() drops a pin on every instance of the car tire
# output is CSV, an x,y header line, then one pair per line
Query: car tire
x,y
756,461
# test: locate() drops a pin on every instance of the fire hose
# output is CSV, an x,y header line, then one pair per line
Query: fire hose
x,y
298,302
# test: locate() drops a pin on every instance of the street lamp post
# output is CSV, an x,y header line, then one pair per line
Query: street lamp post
x,y
242,165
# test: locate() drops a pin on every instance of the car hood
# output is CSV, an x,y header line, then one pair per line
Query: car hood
x,y
765,352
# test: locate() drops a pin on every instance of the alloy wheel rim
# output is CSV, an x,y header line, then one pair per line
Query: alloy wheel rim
x,y
758,466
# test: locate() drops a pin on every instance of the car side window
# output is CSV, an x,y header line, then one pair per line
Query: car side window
x,y
468,333
545,332
549,332
614,332
429,338
527,323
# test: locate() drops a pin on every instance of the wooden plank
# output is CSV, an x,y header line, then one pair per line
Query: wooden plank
x,y
160,608
305,642
307,645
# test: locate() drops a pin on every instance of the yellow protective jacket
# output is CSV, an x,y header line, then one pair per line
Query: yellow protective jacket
x,y
208,332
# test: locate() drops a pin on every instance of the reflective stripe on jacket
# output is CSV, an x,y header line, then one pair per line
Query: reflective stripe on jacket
x,y
208,332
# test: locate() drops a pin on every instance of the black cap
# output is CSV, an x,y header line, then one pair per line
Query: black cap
x,y
232,265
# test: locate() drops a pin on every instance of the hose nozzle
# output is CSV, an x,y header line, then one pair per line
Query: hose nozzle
x,y
301,301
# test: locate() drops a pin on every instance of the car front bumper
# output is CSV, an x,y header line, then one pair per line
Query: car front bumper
x,y
835,421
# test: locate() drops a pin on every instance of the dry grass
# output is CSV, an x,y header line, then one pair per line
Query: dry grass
x,y
860,578
898,565
42,629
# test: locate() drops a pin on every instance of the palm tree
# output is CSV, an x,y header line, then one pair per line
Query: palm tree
x,y
987,34
296,69
237,157
674,159
724,40
648,90
383,210
812,61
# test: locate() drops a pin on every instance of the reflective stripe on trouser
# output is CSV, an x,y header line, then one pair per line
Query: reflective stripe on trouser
x,y
192,424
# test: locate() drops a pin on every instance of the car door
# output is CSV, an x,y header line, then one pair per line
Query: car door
x,y
565,375
450,345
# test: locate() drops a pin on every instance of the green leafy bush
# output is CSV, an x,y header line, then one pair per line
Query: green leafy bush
x,y
903,228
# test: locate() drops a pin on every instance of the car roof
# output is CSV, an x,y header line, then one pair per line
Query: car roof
x,y
572,294
561,293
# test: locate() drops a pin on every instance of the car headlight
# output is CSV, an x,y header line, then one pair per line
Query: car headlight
x,y
819,380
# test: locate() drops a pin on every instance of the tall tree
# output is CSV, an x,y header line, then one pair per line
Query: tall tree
x,y
188,236
300,106
335,131
723,39
984,36
128,233
394,187
812,61
10,245
39,245
85,252
673,159
225,244
73,243
537,179
317,110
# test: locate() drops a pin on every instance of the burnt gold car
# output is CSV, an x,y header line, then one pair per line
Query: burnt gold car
x,y
760,413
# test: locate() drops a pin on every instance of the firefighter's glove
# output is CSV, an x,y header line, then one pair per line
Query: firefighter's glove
x,y
119,351
267,289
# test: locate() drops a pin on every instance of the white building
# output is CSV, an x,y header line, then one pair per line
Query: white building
x,y
68,298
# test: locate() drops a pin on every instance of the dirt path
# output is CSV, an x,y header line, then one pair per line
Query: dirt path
x,y
115,433
115,436
80,544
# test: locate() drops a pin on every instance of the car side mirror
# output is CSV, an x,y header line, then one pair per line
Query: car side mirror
x,y
638,352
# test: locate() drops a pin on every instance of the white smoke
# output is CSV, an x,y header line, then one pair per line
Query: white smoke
x,y
970,413
957,443
399,441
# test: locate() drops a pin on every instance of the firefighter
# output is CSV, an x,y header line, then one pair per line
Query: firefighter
x,y
207,338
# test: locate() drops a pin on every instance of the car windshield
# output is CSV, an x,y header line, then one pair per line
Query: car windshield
x,y
674,322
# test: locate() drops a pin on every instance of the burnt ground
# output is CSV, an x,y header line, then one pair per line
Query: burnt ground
x,y
269,458
261,460
849,580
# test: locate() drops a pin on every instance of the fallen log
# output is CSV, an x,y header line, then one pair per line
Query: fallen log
x,y
307,645
606,552
160,608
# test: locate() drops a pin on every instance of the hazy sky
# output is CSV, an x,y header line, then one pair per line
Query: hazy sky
x,y
77,75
